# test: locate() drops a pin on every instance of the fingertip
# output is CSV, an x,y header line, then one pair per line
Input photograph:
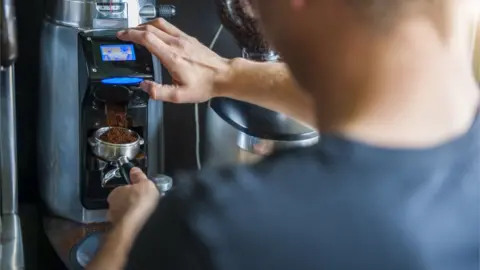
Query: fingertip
x,y
147,87
121,33
137,175
135,170
145,84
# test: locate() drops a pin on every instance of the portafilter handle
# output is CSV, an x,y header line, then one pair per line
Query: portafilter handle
x,y
125,167
110,175
163,182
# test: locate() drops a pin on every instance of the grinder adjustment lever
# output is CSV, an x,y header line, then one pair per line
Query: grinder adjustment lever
x,y
125,166
149,12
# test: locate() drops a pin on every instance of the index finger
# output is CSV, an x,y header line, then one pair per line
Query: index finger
x,y
167,27
150,41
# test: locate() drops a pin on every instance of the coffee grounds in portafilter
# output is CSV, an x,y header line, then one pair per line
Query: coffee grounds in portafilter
x,y
117,120
118,136
237,17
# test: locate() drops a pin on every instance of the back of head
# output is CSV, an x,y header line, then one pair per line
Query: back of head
x,y
301,29
339,50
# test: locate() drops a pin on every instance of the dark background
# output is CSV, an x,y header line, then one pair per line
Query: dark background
x,y
196,17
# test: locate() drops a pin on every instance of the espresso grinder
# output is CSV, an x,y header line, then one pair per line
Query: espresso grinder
x,y
89,79
111,100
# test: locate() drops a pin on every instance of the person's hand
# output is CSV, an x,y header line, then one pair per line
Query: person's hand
x,y
133,204
194,67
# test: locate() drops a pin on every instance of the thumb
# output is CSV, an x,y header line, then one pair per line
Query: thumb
x,y
165,92
137,176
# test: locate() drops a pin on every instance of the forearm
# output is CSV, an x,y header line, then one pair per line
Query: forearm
x,y
268,85
115,249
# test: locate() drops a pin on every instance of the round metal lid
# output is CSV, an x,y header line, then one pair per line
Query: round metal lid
x,y
259,122
163,182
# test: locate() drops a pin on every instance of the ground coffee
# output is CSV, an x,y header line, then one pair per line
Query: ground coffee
x,y
116,115
118,136
117,119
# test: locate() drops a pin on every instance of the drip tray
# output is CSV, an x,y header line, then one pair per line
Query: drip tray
x,y
83,252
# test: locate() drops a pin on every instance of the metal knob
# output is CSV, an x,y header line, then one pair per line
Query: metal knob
x,y
149,12
163,182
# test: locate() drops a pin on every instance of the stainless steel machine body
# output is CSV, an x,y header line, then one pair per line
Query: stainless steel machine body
x,y
61,98
11,243
102,14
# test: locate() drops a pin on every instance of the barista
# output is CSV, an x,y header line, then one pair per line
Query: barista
x,y
393,184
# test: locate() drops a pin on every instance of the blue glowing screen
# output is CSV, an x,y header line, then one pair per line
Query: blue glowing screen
x,y
118,52
122,80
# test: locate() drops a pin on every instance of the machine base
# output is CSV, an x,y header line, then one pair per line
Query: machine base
x,y
65,236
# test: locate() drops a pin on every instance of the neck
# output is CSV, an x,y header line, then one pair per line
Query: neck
x,y
410,89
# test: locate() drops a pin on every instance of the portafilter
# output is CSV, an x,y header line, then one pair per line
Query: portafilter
x,y
118,154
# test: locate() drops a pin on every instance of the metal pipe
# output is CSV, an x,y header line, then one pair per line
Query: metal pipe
x,y
8,142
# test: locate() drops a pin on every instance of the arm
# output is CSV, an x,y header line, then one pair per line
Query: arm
x,y
268,85
147,234
165,242
200,74
130,207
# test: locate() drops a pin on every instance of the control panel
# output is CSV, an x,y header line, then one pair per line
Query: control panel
x,y
112,61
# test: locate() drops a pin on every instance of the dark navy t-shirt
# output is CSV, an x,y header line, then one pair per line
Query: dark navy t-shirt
x,y
338,205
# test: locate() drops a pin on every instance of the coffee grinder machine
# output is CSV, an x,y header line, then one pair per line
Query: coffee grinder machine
x,y
110,77
84,70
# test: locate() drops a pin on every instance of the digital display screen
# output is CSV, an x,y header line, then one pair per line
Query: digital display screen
x,y
119,52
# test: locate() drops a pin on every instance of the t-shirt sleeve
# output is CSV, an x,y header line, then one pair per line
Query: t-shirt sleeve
x,y
166,241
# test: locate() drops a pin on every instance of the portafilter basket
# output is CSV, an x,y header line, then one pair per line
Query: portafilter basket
x,y
121,154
